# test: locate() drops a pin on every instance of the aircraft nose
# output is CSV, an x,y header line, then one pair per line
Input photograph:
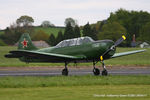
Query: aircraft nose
x,y
110,44
112,48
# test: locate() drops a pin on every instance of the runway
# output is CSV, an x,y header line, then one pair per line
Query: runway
x,y
74,71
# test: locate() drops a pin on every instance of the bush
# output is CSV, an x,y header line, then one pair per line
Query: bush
x,y
40,35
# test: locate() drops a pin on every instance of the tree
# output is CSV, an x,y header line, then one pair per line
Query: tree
x,y
91,32
112,30
94,33
14,31
25,21
12,34
59,37
72,21
77,31
69,33
87,30
145,32
52,40
133,21
101,25
47,24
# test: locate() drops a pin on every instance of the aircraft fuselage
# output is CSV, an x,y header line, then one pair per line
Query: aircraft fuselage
x,y
92,51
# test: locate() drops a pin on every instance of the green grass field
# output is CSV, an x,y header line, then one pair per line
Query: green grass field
x,y
75,88
140,59
77,93
87,80
50,30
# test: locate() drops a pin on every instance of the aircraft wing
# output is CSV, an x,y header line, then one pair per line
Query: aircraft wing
x,y
127,53
39,55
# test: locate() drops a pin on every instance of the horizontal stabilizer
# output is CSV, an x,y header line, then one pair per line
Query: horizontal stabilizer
x,y
10,55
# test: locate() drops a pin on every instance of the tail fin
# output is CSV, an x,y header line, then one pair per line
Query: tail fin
x,y
25,43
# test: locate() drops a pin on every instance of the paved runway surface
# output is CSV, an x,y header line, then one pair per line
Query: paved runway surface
x,y
87,71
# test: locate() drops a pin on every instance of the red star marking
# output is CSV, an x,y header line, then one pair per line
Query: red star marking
x,y
24,43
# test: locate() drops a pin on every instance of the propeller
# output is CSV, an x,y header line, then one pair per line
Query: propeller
x,y
120,40
116,44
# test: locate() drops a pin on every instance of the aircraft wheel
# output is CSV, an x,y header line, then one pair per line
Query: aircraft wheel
x,y
104,72
96,71
65,72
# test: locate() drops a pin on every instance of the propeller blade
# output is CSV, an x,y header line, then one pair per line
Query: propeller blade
x,y
101,57
116,44
120,40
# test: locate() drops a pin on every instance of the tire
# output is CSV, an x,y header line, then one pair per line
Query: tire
x,y
96,71
104,72
65,72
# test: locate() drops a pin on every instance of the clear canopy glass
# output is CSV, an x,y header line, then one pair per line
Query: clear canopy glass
x,y
75,41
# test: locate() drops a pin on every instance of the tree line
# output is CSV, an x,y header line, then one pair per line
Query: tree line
x,y
121,22
73,32
24,25
132,23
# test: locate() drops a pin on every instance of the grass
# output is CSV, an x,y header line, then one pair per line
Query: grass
x,y
50,30
74,88
76,93
140,59
88,80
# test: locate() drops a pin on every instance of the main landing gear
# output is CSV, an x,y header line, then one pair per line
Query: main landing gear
x,y
104,72
96,71
65,70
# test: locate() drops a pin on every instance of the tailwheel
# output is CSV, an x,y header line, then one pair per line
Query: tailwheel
x,y
104,72
65,72
96,71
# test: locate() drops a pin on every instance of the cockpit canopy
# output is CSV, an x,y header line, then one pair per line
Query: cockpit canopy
x,y
75,41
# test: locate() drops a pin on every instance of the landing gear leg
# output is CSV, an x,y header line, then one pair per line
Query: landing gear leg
x,y
104,72
65,70
96,71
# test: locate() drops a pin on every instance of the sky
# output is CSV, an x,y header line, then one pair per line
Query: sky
x,y
56,11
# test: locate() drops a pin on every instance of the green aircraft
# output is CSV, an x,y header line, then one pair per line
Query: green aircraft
x,y
83,49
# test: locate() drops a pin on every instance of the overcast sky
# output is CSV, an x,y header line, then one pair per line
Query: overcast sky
x,y
57,10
